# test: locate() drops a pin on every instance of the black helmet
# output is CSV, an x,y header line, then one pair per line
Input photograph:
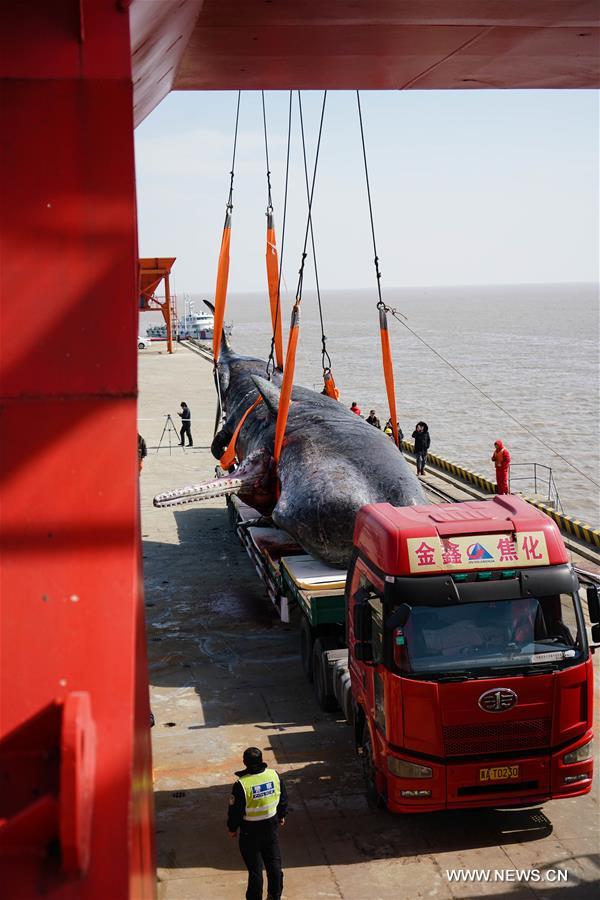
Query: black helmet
x,y
252,758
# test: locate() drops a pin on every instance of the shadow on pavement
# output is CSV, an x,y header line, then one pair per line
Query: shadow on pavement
x,y
349,831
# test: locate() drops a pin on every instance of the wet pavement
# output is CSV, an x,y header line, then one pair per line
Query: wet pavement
x,y
225,674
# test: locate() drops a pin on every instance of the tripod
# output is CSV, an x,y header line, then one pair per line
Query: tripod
x,y
170,428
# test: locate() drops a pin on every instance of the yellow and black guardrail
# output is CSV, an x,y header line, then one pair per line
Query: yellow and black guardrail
x,y
567,524
478,481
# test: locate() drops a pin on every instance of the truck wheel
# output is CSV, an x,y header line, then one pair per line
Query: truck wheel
x,y
374,798
326,701
306,648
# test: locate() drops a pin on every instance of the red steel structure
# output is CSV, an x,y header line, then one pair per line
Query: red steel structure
x,y
75,758
75,76
153,270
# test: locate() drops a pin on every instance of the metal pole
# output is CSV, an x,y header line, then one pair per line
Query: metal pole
x,y
169,315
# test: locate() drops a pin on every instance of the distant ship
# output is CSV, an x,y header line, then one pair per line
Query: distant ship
x,y
193,325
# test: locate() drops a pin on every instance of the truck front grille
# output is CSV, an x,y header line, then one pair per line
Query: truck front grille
x,y
496,737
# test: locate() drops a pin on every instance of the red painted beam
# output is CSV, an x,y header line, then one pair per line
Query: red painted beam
x,y
366,44
73,662
392,44
160,32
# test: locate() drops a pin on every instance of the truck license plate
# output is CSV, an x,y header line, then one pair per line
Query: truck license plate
x,y
499,773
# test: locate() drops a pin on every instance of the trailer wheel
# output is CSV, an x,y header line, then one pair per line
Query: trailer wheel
x,y
374,798
306,648
326,701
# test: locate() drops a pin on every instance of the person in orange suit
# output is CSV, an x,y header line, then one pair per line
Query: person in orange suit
x,y
501,460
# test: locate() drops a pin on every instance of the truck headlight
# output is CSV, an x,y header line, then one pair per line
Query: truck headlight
x,y
582,754
403,769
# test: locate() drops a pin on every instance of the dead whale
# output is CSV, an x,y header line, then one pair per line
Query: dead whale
x,y
332,462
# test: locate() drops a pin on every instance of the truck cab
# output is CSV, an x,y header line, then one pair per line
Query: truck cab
x,y
471,673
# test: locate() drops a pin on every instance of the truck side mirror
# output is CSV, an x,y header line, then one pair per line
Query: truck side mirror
x,y
593,601
596,633
363,651
363,622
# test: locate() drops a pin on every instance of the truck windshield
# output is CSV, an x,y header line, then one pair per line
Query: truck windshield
x,y
505,634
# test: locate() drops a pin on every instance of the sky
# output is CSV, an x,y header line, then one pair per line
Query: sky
x,y
468,187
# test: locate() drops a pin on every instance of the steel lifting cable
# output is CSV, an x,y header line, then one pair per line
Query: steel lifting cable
x,y
401,318
310,202
229,457
223,266
290,360
223,276
325,358
273,279
235,137
386,352
383,310
271,359
264,112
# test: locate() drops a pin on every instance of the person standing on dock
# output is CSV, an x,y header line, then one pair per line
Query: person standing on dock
x,y
390,431
355,408
422,441
186,425
373,420
501,460
142,451
258,806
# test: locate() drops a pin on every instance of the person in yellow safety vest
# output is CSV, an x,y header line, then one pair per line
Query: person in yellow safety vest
x,y
258,806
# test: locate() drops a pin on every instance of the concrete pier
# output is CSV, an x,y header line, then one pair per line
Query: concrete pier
x,y
225,674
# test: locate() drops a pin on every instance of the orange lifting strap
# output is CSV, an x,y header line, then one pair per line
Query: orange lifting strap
x,y
388,370
290,358
223,268
229,457
330,387
388,366
221,288
288,380
273,283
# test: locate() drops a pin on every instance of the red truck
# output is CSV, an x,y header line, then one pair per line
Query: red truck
x,y
455,646
471,673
